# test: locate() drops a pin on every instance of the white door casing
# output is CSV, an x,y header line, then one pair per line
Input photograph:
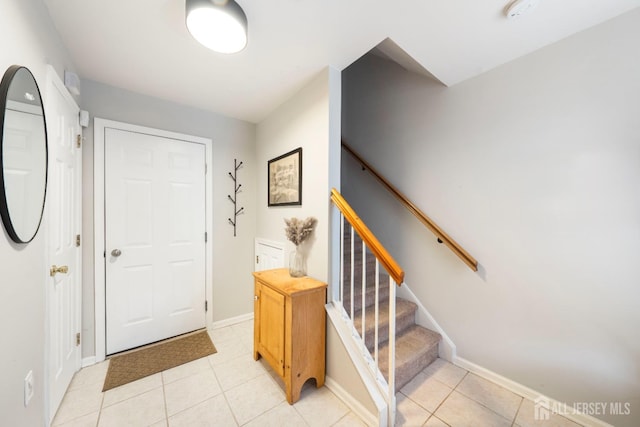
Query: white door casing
x,y
100,128
155,238
63,224
269,254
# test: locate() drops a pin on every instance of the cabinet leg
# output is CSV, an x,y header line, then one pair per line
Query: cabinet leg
x,y
293,395
294,389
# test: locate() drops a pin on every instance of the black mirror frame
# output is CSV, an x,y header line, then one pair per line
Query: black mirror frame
x,y
4,207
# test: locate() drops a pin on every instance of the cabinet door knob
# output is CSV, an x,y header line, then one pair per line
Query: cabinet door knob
x,y
256,298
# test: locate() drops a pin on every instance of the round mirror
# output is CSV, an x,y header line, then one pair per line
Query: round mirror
x,y
23,154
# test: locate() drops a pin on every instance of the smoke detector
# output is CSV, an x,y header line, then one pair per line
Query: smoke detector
x,y
520,7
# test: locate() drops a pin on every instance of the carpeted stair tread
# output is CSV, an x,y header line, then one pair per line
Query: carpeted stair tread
x,y
370,276
370,271
416,348
370,259
370,289
405,317
370,294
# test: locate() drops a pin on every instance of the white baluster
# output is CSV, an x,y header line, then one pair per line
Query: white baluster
x,y
377,312
364,293
392,351
352,273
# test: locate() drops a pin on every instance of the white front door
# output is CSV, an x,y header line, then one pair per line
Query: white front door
x,y
64,222
154,238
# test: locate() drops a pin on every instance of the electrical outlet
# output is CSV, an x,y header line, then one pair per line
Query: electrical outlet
x,y
28,387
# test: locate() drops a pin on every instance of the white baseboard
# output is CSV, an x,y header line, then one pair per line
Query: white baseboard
x,y
356,407
88,361
525,391
448,352
232,321
446,349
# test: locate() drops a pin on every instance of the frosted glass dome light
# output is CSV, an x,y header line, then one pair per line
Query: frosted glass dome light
x,y
220,25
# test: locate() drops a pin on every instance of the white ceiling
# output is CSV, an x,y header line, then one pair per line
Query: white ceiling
x,y
143,45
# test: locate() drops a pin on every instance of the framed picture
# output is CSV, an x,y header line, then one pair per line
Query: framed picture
x,y
285,179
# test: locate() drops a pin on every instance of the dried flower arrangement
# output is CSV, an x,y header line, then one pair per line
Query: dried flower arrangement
x,y
298,230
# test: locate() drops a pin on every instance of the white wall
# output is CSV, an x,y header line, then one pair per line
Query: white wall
x,y
311,120
302,121
534,168
232,256
28,39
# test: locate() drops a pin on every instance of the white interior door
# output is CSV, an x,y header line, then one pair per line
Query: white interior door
x,y
269,255
154,238
64,222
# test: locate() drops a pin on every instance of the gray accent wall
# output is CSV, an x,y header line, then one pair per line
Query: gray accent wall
x,y
532,167
232,139
28,39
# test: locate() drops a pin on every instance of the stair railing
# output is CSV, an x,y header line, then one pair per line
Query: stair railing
x,y
428,222
350,224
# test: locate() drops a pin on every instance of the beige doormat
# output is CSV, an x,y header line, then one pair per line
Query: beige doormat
x,y
151,359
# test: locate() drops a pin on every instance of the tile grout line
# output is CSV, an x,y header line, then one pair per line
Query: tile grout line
x,y
490,409
433,414
100,410
517,412
102,397
342,418
223,393
439,419
304,420
73,418
194,404
448,395
164,397
273,407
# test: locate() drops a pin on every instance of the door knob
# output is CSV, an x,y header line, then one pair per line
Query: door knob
x,y
55,269
116,252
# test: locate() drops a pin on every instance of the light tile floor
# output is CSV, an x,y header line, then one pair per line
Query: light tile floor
x,y
230,389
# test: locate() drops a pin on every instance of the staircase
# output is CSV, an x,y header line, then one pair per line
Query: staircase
x,y
368,312
416,347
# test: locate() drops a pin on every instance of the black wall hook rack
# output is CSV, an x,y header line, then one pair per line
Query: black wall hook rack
x,y
234,199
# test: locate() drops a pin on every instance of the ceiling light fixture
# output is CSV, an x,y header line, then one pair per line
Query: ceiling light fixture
x,y
520,7
220,25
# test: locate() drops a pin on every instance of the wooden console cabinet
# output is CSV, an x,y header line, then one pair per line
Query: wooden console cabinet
x,y
289,327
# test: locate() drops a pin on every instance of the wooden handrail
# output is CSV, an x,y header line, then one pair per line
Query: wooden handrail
x,y
390,265
428,222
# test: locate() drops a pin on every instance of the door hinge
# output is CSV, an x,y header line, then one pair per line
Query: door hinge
x,y
257,259
206,305
78,339
79,141
77,240
206,168
205,237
